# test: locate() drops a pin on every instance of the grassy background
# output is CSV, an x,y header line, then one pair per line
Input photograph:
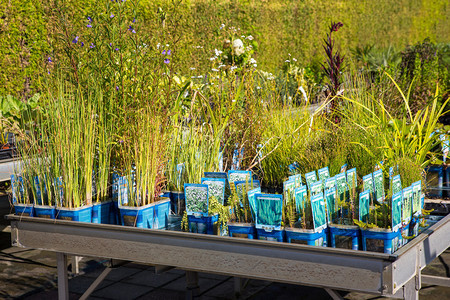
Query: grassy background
x,y
279,26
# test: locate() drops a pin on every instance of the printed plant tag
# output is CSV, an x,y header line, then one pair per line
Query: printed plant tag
x,y
318,212
300,199
316,188
368,185
330,196
288,190
269,211
407,204
323,174
297,178
396,184
196,197
234,175
216,188
396,211
252,200
310,178
330,182
352,178
364,206
378,185
417,191
341,185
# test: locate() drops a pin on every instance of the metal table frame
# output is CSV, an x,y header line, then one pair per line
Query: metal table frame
x,y
395,275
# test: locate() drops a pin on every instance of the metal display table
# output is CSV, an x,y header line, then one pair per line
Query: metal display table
x,y
395,275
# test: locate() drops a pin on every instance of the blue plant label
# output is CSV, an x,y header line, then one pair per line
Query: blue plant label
x,y
220,161
288,189
341,185
17,189
301,195
244,186
269,211
323,174
236,175
310,178
330,197
235,160
122,190
196,197
445,146
59,187
407,204
378,183
391,173
343,168
368,184
352,178
297,178
364,206
41,194
115,186
252,200
216,188
316,188
318,212
396,184
293,168
396,212
330,182
180,168
417,191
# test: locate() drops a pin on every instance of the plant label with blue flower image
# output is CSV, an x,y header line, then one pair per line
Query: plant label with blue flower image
x,y
115,186
330,182
318,212
330,197
316,188
416,191
407,204
343,168
323,174
368,185
122,190
341,185
396,212
396,184
352,178
17,189
300,199
41,194
293,168
364,206
378,183
236,175
310,178
196,197
216,188
288,189
269,211
252,200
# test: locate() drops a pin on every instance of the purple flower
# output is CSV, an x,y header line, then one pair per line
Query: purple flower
x,y
110,44
117,88
90,20
49,59
82,44
89,26
169,52
117,49
111,16
92,46
166,61
134,20
163,52
75,40
48,72
131,29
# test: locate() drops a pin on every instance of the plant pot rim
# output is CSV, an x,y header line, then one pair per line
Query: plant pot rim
x,y
136,207
388,230
342,226
23,204
302,230
44,206
240,224
101,202
74,208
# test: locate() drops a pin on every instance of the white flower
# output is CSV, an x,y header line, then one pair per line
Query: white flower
x,y
238,47
252,61
192,69
222,26
217,52
212,58
294,59
157,46
287,60
234,100
221,66
258,87
200,77
243,36
233,68
250,38
255,65
214,70
167,45
193,77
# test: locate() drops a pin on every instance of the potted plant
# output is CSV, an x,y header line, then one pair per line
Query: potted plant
x,y
199,219
22,204
269,213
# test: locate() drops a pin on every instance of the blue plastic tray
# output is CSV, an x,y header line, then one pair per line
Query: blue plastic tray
x,y
242,230
80,214
45,211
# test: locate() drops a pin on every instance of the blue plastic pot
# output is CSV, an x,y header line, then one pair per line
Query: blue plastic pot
x,y
45,211
162,209
306,236
242,230
381,240
272,235
101,212
177,203
26,210
345,236
79,214
137,216
203,224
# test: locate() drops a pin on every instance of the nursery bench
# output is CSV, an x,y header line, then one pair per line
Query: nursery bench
x,y
395,275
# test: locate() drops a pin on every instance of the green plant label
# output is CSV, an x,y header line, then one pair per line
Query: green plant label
x,y
216,188
316,188
252,200
301,195
310,178
196,197
330,196
364,206
297,178
407,204
416,202
396,211
341,185
330,182
368,184
288,190
379,185
352,178
396,184
323,175
269,211
318,212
